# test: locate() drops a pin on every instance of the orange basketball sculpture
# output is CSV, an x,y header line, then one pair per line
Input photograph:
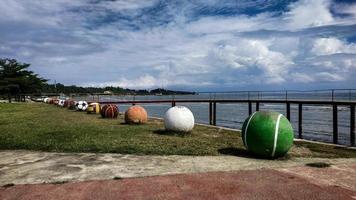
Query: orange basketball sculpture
x,y
136,115
109,111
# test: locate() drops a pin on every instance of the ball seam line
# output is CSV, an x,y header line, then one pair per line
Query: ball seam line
x,y
248,123
276,134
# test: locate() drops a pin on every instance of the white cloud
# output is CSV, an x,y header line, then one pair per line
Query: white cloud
x,y
40,12
145,81
306,13
332,45
302,78
227,24
327,76
255,54
126,4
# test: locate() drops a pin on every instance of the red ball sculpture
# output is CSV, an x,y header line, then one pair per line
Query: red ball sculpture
x,y
71,104
51,101
55,102
66,103
109,111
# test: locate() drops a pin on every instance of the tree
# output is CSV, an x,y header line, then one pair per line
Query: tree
x,y
15,79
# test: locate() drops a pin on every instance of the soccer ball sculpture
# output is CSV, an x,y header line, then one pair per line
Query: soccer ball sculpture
x,y
179,118
81,105
109,111
136,115
61,102
267,134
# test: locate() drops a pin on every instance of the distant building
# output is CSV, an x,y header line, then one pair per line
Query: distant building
x,y
108,92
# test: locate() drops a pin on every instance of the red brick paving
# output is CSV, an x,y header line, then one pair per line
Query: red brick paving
x,y
343,175
254,184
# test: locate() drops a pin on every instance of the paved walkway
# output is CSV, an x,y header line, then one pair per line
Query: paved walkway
x,y
250,184
29,167
116,176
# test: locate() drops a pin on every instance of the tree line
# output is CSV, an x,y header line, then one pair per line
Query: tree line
x,y
60,88
16,80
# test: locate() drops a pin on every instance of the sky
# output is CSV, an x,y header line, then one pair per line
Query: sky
x,y
198,45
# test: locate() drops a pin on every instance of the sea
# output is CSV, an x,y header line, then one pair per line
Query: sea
x,y
317,119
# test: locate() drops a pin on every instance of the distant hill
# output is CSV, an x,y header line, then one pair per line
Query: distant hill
x,y
161,91
60,88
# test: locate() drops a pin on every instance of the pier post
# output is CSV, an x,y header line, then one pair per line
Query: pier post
x,y
257,106
249,108
210,113
352,125
300,121
335,127
288,111
173,103
214,113
332,95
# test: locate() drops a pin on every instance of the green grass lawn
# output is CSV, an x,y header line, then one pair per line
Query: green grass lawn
x,y
38,126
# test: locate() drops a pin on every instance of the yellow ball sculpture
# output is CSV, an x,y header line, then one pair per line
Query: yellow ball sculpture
x,y
93,108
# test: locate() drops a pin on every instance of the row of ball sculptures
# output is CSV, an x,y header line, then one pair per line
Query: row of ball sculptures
x,y
264,133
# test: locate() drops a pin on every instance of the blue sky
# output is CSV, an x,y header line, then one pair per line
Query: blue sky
x,y
197,45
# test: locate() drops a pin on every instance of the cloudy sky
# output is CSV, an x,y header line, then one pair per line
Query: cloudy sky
x,y
197,45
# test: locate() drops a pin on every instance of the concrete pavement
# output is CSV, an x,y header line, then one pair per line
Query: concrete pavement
x,y
30,167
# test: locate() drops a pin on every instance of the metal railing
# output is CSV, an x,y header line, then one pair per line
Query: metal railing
x,y
257,102
328,94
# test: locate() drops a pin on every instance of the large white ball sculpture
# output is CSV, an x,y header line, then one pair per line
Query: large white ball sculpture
x,y
61,102
179,118
81,105
45,100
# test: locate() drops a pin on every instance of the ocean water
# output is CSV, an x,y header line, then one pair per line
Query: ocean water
x,y
317,119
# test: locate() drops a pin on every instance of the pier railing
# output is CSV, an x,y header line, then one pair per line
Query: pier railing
x,y
257,102
327,94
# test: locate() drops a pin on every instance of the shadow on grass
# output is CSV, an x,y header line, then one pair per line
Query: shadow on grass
x,y
171,133
232,151
105,118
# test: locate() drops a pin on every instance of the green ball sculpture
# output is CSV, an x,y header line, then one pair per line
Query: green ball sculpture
x,y
267,134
